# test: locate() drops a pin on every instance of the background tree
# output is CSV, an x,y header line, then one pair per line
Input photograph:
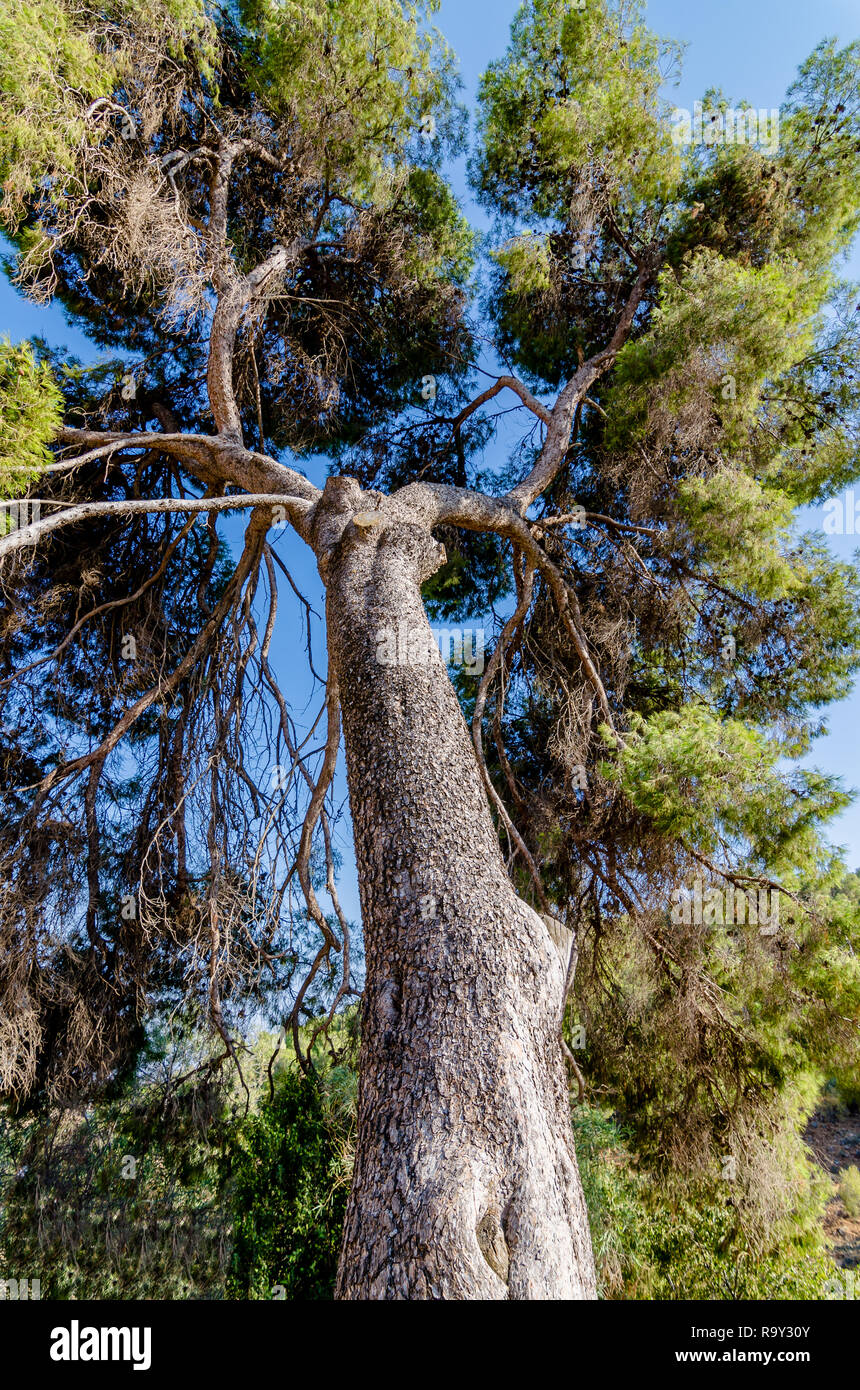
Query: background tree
x,y
249,200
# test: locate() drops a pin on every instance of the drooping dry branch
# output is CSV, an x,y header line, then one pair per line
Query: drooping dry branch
x,y
494,665
245,566
439,504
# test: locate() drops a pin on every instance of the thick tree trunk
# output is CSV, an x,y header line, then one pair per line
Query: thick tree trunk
x,y
465,1181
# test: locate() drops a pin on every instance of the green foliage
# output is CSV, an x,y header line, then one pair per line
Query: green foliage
x,y
290,1187
53,55
571,123
716,1040
444,244
740,526
614,1197
849,1190
693,1255
44,59
363,75
725,319
30,415
699,776
199,1191
822,115
585,83
687,769
683,1237
527,264
345,110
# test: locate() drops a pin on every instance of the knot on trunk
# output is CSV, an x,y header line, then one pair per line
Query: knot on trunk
x,y
387,1009
492,1243
341,497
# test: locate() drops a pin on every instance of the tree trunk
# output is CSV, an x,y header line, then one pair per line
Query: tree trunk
x,y
465,1183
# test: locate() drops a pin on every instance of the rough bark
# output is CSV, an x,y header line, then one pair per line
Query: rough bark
x,y
465,1183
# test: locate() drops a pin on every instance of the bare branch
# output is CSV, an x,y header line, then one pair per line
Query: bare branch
x,y
501,384
86,511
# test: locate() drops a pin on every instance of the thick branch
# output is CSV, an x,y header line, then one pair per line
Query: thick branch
x,y
209,458
234,294
32,534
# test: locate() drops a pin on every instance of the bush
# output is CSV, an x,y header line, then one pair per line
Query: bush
x,y
849,1190
613,1198
695,1251
290,1178
183,1194
122,1200
668,1236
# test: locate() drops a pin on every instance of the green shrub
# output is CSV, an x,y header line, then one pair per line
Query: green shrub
x,y
613,1198
849,1190
183,1194
695,1251
669,1236
290,1172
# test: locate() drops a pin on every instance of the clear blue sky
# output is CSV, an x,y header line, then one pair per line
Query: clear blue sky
x,y
750,50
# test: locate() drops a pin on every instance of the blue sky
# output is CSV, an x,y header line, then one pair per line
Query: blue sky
x,y
750,50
